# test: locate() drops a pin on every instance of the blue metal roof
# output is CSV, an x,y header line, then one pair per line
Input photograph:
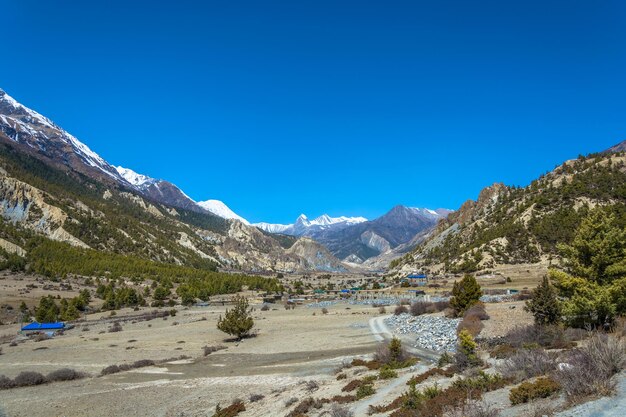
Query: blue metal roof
x,y
417,276
44,326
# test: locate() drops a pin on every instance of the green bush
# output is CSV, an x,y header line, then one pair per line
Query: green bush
x,y
528,391
387,373
365,391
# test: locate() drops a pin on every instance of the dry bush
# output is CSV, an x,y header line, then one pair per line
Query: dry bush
x,y
142,363
311,386
111,369
324,310
527,363
590,370
472,324
401,309
382,310
551,337
502,352
207,350
6,382
352,385
477,310
337,410
405,302
65,374
528,391
40,337
393,353
422,307
302,408
473,409
116,327
256,397
231,411
265,307
343,399
341,376
371,365
418,379
28,378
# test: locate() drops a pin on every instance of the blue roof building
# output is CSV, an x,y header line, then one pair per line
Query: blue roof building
x,y
43,327
419,280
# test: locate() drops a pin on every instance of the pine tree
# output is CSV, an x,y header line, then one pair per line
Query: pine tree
x,y
465,294
238,321
544,305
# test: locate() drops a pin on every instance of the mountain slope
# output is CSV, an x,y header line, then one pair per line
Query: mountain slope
x,y
511,225
53,187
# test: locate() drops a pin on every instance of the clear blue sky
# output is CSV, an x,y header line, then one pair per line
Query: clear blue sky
x,y
348,108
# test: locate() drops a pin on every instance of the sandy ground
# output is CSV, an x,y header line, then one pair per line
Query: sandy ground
x,y
291,346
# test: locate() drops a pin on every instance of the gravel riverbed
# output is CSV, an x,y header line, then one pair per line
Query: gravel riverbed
x,y
432,332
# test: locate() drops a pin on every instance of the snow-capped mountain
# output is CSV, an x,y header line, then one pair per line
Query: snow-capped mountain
x,y
218,208
40,137
138,180
305,227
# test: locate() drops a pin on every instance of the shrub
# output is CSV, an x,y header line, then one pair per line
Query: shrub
x,y
590,370
337,410
400,310
502,352
324,310
111,369
207,350
527,363
474,409
418,379
265,307
231,411
341,376
365,391
394,355
477,310
482,383
551,337
382,310
28,378
527,391
312,386
352,385
116,327
302,408
445,359
422,307
387,373
470,324
466,351
65,374
256,397
6,382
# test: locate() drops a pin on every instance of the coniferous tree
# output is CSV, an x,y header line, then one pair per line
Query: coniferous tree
x,y
237,321
544,305
465,294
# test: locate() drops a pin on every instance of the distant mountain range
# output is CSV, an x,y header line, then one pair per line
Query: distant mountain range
x,y
356,239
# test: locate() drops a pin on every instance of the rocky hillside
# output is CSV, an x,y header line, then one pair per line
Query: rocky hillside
x,y
53,187
512,225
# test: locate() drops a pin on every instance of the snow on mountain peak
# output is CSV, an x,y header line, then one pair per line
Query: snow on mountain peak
x,y
220,209
138,180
